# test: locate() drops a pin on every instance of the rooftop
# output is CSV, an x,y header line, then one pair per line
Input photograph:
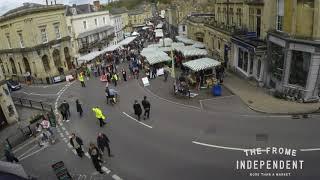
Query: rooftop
x,y
80,9
118,10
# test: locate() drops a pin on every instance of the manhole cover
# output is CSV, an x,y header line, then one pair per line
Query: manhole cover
x,y
262,137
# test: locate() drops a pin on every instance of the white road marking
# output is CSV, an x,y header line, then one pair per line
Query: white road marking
x,y
44,147
116,177
26,152
137,120
308,150
87,154
219,147
106,170
26,144
181,105
221,97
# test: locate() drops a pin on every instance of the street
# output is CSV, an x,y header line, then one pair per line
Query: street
x,y
177,142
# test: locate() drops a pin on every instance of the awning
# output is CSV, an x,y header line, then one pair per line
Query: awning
x,y
201,64
127,40
185,40
88,57
167,42
108,28
189,51
154,56
110,48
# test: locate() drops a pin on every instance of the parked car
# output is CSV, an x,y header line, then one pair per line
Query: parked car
x,y
13,85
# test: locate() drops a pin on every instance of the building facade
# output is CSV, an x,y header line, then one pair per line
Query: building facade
x,y
137,18
123,12
90,30
36,41
8,112
294,49
116,21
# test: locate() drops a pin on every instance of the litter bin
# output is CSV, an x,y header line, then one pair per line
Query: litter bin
x,y
216,90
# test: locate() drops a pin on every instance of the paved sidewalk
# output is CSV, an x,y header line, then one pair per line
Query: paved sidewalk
x,y
259,100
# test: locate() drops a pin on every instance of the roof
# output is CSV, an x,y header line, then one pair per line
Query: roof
x,y
25,6
29,8
97,30
188,51
154,55
201,64
80,9
120,10
127,40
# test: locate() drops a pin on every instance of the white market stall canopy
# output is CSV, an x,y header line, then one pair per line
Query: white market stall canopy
x,y
110,48
135,34
201,64
154,45
159,32
177,44
198,45
127,40
167,42
88,57
189,51
154,56
185,40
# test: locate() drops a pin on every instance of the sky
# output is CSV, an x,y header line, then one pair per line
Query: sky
x,y
7,5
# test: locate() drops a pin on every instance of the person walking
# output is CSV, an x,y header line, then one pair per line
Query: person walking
x,y
79,107
81,79
102,142
10,157
146,106
115,79
124,75
166,74
137,109
99,115
67,106
63,111
77,144
95,157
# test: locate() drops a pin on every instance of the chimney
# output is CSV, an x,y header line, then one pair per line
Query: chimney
x,y
74,5
47,3
51,2
55,2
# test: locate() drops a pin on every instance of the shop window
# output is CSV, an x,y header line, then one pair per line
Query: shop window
x,y
251,63
243,60
300,64
240,58
277,61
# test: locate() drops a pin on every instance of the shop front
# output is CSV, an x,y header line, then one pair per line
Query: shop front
x,y
249,57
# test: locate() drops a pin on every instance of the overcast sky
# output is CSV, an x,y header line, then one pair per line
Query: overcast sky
x,y
6,5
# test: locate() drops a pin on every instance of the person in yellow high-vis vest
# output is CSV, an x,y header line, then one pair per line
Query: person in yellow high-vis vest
x,y
99,115
81,79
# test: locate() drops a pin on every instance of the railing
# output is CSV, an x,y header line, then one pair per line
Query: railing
x,y
32,104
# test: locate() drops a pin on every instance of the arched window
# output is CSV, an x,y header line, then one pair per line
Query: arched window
x,y
67,57
56,58
13,66
2,67
45,62
26,65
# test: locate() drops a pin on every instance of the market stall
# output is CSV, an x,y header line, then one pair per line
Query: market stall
x,y
185,40
154,61
202,72
127,40
165,42
88,57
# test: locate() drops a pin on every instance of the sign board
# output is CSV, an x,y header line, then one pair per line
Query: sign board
x,y
160,72
145,81
69,78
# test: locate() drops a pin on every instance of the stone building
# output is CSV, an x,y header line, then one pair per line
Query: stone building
x,y
116,21
123,12
8,112
294,49
90,29
35,39
137,18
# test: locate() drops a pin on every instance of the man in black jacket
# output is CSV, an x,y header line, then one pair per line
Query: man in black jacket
x,y
77,144
103,141
146,106
137,109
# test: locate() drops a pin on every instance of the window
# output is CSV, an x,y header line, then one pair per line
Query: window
x,y
258,26
57,30
251,19
243,59
96,22
231,15
85,24
104,20
280,14
43,33
8,40
219,45
183,28
239,14
21,39
277,60
299,68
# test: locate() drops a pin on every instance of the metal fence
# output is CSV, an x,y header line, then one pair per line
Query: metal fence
x,y
32,104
